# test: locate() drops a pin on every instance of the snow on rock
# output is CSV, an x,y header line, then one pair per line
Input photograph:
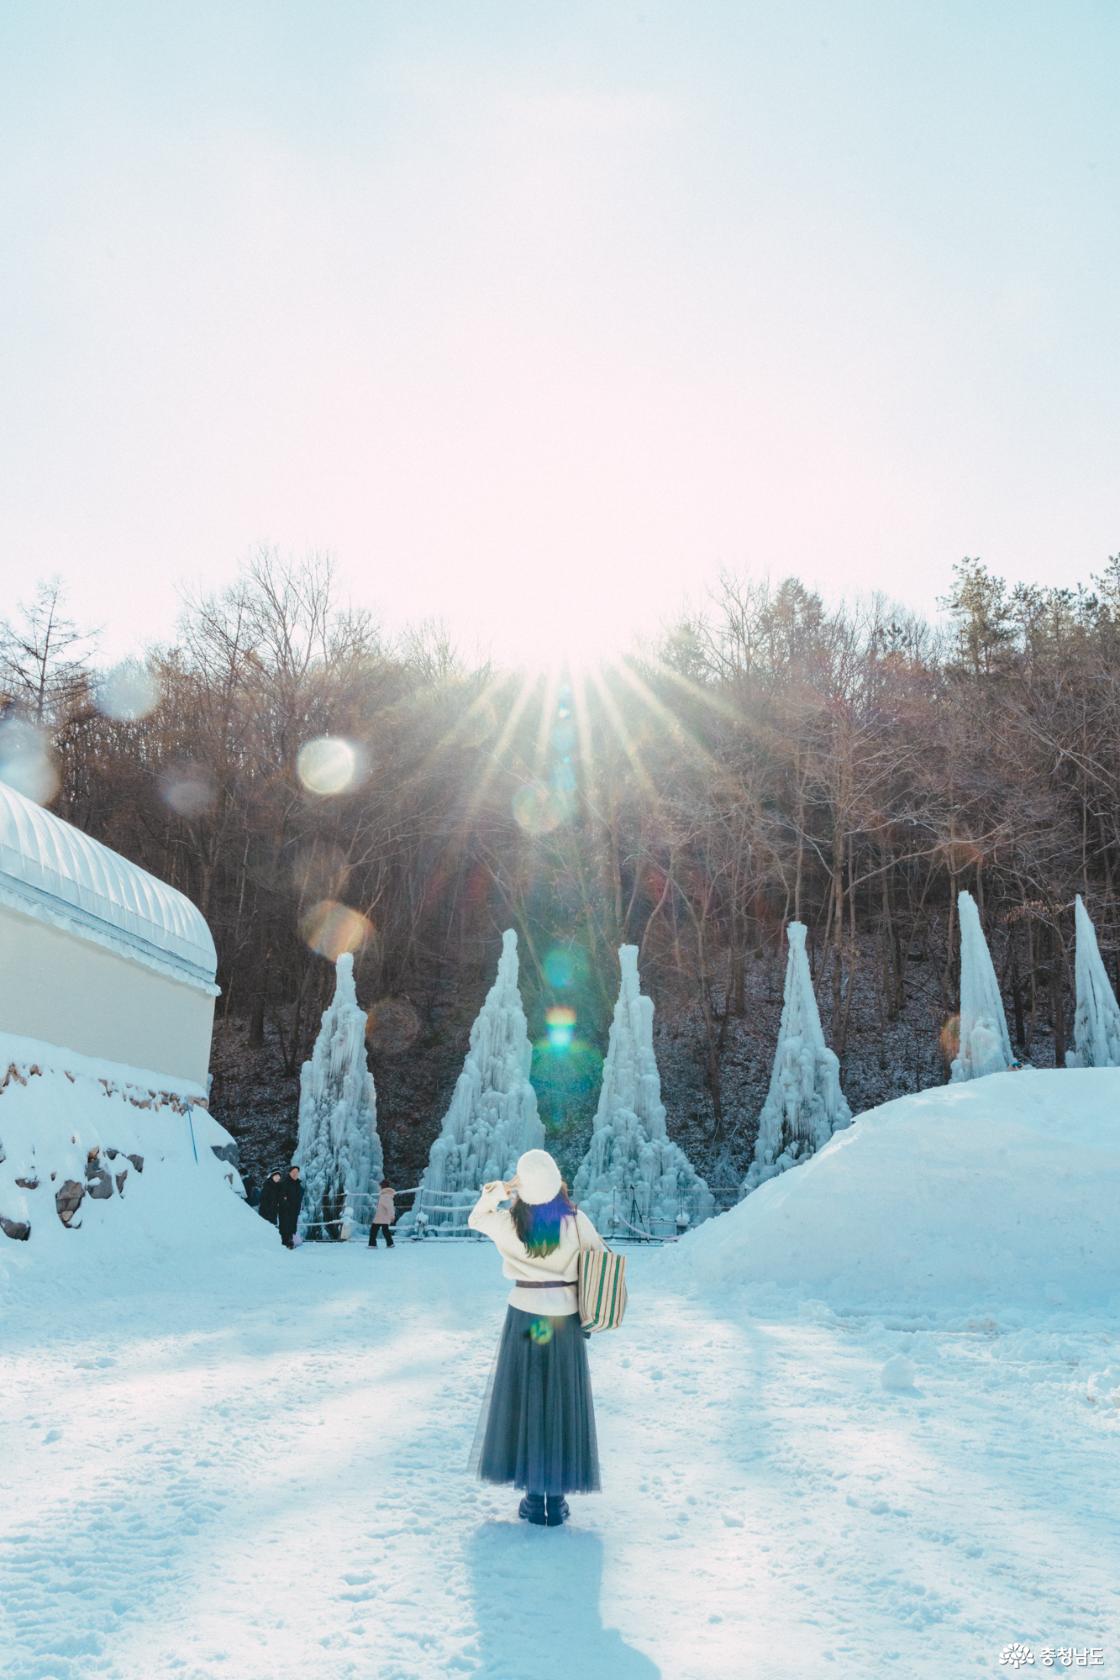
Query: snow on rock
x,y
1096,1020
985,1044
492,1118
804,1105
112,1152
339,1151
633,1174
897,1375
991,1191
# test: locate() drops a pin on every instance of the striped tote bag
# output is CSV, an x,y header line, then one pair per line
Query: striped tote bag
x,y
602,1287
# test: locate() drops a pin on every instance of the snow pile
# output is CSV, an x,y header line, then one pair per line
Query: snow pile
x,y
632,1174
339,1152
985,1044
1096,1020
493,1114
804,1104
996,1190
897,1375
97,1158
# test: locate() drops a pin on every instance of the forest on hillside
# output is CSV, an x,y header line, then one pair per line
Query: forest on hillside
x,y
316,785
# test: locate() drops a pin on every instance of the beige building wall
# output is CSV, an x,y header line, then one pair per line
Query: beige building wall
x,y
71,992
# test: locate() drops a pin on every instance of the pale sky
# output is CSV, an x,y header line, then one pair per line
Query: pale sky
x,y
537,315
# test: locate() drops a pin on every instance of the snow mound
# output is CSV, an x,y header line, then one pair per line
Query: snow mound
x,y
1002,1189
897,1375
130,1164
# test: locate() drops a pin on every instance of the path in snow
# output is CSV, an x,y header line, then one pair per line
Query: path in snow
x,y
259,1474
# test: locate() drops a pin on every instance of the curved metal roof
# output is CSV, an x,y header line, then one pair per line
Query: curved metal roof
x,y
57,873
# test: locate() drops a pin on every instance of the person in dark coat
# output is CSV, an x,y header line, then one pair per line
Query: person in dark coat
x,y
291,1200
269,1207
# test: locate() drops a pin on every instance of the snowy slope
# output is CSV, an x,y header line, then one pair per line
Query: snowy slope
x,y
57,1107
1001,1189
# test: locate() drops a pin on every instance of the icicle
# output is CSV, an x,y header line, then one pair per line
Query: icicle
x,y
1096,1020
632,1172
985,1044
804,1104
339,1151
492,1118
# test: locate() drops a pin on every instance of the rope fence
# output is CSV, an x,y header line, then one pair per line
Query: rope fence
x,y
418,1227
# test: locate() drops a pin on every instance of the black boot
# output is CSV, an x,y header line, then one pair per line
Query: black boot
x,y
532,1508
556,1510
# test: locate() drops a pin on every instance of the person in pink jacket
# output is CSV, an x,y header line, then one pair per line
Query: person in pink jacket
x,y
537,1429
383,1215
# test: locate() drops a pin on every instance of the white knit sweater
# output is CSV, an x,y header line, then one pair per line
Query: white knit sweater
x,y
497,1223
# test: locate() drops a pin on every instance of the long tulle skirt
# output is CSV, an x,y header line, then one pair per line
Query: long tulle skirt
x,y
537,1429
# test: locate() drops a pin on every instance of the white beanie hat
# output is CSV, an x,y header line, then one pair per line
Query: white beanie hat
x,y
538,1177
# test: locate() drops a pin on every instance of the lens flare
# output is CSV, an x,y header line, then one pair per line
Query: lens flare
x,y
539,809
128,692
329,766
559,969
564,734
26,762
560,1023
566,968
331,928
392,1026
189,789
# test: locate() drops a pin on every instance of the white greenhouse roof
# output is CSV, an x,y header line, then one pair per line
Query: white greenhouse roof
x,y
54,872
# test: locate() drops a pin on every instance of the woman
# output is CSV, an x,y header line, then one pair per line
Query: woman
x,y
537,1430
383,1215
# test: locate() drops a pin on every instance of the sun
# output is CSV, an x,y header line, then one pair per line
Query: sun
x,y
561,639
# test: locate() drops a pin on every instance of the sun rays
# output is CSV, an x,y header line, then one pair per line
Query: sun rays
x,y
551,744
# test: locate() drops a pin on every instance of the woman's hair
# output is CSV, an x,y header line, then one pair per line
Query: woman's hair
x,y
538,1223
384,1184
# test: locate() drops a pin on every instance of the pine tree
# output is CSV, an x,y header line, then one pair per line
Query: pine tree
x,y
492,1118
804,1104
1096,1020
339,1151
985,1044
632,1173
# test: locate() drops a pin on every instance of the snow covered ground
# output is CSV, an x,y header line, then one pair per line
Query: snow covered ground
x,y
243,1463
